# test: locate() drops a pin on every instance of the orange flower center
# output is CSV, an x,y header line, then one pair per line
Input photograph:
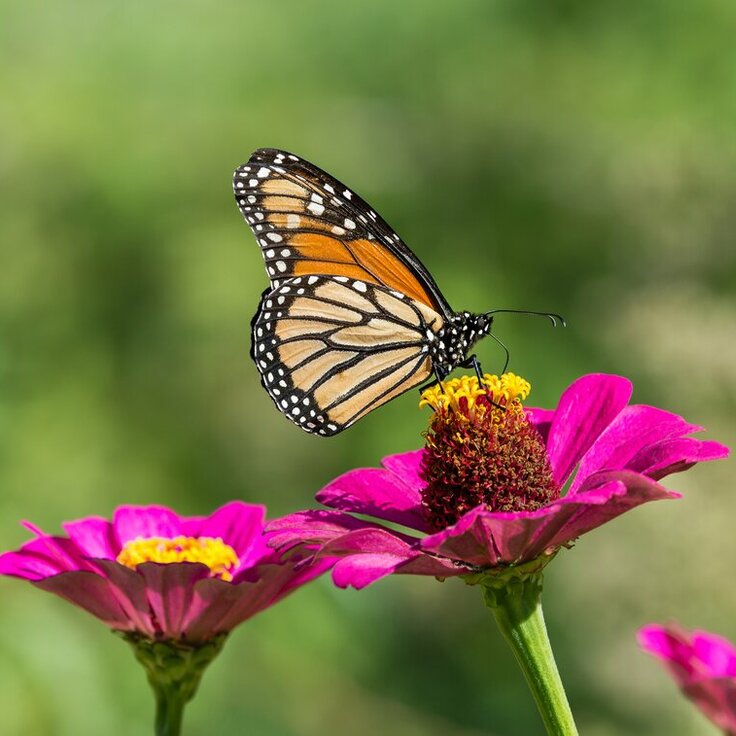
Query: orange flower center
x,y
213,552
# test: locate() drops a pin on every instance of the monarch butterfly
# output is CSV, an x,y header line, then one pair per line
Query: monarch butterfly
x,y
351,318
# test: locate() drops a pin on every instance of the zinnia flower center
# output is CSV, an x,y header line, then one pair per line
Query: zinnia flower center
x,y
481,449
213,552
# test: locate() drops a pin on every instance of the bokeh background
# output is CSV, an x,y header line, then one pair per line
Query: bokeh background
x,y
567,155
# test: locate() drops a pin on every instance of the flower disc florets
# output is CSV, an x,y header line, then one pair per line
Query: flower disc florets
x,y
482,450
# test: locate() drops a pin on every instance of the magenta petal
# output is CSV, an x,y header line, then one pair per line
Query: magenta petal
x,y
702,664
129,588
408,467
94,536
674,456
314,527
42,557
483,537
170,591
380,493
91,592
239,525
541,419
134,522
585,409
634,429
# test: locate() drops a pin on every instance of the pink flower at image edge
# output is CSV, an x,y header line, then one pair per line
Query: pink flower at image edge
x,y
702,664
176,600
620,451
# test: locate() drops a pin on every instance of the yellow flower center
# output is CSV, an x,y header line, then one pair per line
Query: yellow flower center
x,y
460,395
213,552
481,450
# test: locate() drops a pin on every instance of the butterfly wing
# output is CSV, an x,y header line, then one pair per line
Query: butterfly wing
x,y
308,223
331,349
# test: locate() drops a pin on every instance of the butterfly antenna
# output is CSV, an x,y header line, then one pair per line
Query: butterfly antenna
x,y
505,350
553,317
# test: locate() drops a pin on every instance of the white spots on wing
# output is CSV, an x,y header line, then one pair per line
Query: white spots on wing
x,y
349,224
372,214
285,253
252,199
336,202
341,279
259,228
329,189
296,411
259,215
281,299
270,253
294,399
253,182
337,230
360,286
271,271
315,208
292,221
275,392
263,172
275,237
239,185
293,157
397,294
259,332
281,266
332,427
269,304
347,194
312,280
285,404
316,198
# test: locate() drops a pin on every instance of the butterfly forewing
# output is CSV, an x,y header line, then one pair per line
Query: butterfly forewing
x,y
308,223
331,349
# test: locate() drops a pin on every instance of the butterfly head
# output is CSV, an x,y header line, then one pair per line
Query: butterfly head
x,y
457,337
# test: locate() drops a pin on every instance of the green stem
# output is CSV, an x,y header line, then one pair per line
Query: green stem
x,y
169,712
517,606
174,669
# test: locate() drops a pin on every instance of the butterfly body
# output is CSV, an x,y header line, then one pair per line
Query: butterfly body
x,y
351,318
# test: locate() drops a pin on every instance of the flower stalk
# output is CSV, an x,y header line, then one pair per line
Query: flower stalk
x,y
516,603
174,671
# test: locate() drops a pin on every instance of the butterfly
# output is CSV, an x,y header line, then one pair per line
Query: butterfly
x,y
351,317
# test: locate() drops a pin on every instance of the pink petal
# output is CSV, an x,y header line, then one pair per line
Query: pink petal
x,y
408,467
585,409
170,592
483,537
42,557
239,525
134,522
92,593
129,589
219,606
94,536
716,654
315,527
632,431
392,495
674,456
702,664
541,419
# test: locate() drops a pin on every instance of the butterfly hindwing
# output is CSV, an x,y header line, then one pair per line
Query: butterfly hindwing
x,y
308,223
331,349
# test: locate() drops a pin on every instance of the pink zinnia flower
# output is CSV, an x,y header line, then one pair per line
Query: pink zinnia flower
x,y
703,665
172,586
486,492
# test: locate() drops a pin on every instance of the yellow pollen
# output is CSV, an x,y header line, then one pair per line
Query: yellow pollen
x,y
213,552
460,395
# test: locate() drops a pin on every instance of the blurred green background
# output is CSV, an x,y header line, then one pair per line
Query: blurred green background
x,y
571,156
